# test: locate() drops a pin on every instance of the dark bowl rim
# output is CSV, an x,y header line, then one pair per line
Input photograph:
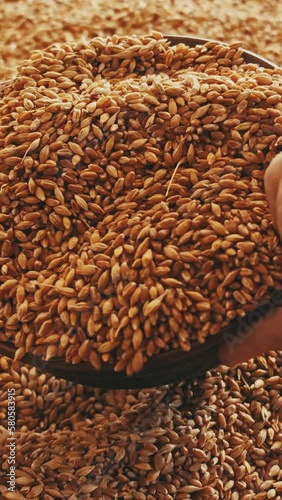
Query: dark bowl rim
x,y
193,41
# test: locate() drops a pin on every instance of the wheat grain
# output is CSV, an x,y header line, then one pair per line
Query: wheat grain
x,y
116,441
205,183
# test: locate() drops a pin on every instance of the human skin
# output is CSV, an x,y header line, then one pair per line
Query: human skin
x,y
267,334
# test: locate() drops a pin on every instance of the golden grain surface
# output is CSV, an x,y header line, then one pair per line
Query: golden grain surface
x,y
131,187
80,443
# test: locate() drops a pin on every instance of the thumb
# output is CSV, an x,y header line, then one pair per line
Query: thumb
x,y
258,339
273,190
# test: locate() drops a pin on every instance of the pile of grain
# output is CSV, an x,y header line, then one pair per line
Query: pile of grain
x,y
219,439
133,215
238,410
28,24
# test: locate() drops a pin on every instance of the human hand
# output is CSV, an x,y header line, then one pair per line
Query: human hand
x,y
267,334
259,338
273,190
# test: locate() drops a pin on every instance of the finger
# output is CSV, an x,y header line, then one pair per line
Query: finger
x,y
278,216
272,178
259,338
